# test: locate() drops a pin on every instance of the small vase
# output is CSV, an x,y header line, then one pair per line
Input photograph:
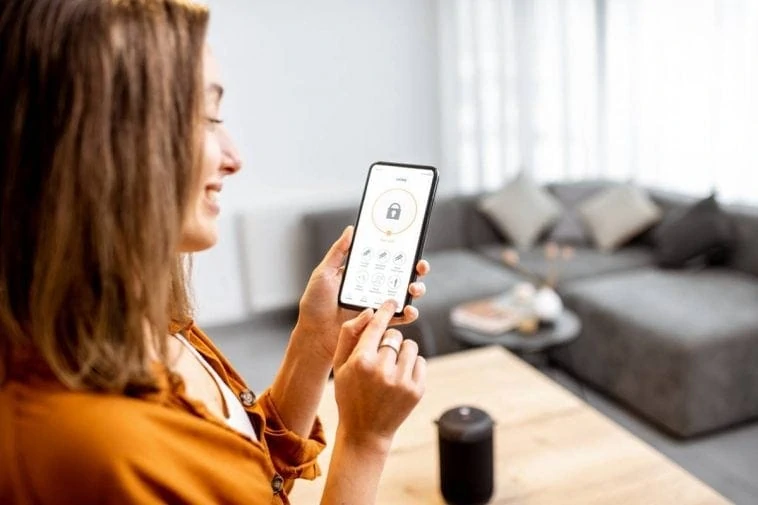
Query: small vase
x,y
523,293
547,305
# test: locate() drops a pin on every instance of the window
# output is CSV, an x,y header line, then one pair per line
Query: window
x,y
663,92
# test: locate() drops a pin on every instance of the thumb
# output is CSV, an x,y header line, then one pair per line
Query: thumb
x,y
336,255
350,335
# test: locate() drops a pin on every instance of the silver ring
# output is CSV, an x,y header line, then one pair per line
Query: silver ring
x,y
390,343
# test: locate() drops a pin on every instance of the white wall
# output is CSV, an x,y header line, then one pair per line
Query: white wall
x,y
316,91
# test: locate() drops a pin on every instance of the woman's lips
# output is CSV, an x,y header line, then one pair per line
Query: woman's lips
x,y
211,198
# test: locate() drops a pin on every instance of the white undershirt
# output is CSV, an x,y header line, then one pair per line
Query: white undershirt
x,y
238,419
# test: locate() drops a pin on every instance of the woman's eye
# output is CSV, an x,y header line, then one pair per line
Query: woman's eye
x,y
214,121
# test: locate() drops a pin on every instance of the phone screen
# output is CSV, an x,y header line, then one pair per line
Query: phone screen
x,y
389,233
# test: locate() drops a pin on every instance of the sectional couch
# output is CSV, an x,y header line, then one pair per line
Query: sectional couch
x,y
680,347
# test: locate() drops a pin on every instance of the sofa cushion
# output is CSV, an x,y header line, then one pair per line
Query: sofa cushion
x,y
457,276
570,228
617,215
680,347
587,261
745,254
703,233
670,203
478,228
522,210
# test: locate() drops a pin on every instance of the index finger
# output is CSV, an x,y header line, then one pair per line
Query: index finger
x,y
372,334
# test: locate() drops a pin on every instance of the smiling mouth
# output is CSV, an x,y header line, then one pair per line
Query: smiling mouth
x,y
212,192
212,195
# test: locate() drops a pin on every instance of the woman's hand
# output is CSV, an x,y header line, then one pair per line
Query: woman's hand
x,y
378,379
320,316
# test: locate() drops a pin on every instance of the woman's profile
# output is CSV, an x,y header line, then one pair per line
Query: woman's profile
x,y
112,156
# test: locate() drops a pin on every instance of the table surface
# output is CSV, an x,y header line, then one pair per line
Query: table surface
x,y
565,329
550,447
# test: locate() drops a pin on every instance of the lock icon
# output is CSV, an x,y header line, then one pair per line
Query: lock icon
x,y
393,211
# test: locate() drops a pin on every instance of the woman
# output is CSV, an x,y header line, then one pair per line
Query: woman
x,y
112,157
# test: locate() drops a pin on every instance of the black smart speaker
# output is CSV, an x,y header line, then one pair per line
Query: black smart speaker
x,y
466,456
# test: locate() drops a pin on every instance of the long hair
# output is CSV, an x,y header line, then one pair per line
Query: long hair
x,y
100,104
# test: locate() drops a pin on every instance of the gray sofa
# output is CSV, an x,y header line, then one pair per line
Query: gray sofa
x,y
680,347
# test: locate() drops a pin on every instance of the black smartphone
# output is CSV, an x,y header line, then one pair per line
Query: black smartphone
x,y
389,235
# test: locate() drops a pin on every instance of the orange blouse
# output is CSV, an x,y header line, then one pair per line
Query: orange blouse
x,y
61,446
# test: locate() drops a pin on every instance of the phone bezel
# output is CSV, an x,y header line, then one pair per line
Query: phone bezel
x,y
422,237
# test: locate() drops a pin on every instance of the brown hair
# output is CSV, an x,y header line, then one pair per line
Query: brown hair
x,y
100,106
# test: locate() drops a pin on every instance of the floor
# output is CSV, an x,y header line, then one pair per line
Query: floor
x,y
727,461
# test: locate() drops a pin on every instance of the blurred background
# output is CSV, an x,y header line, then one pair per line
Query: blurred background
x,y
662,94
316,92
659,92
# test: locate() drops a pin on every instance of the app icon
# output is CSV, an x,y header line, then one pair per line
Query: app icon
x,y
394,281
361,277
383,257
393,211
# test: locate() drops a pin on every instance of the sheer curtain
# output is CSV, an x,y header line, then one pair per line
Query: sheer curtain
x,y
662,92
682,101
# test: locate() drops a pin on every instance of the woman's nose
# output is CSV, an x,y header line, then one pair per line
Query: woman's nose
x,y
231,162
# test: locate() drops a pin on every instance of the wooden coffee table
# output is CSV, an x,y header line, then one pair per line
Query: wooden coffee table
x,y
550,447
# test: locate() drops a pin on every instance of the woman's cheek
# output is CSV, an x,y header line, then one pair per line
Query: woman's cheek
x,y
211,154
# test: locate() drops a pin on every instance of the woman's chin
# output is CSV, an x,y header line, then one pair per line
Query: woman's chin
x,y
198,239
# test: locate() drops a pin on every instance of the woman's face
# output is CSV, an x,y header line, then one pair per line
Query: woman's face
x,y
220,159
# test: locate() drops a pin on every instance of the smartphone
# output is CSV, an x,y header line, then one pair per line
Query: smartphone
x,y
389,235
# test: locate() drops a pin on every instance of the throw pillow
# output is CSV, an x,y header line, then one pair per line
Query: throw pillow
x,y
617,215
522,210
702,233
570,228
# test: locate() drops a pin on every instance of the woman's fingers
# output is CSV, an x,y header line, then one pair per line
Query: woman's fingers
x,y
423,268
389,349
372,335
419,373
417,289
406,360
410,314
350,335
